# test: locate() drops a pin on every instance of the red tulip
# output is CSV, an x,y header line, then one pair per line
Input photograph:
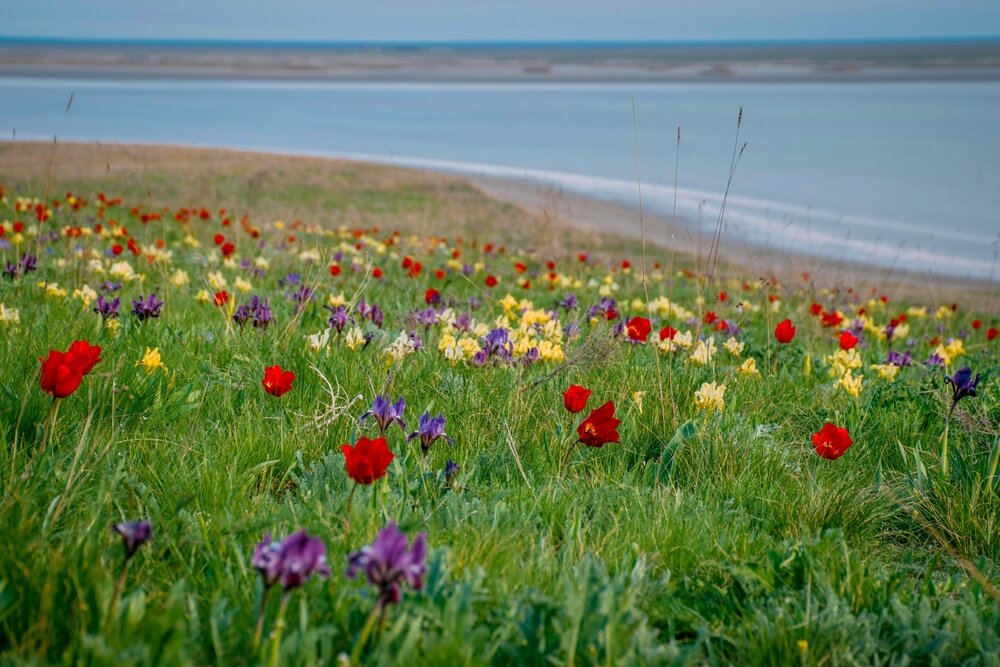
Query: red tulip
x,y
575,398
277,381
367,461
848,340
832,319
60,374
991,333
432,296
667,332
784,332
83,355
831,441
599,427
638,329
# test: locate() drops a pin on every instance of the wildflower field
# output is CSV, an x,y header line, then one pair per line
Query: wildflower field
x,y
241,433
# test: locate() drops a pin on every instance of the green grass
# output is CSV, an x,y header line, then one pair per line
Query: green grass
x,y
705,538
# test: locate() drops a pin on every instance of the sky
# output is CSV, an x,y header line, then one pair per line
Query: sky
x,y
479,20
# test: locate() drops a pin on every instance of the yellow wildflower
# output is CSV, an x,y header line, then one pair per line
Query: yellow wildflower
x,y
151,361
710,397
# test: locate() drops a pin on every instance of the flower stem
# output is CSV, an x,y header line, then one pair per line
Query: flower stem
x,y
259,632
347,510
944,445
119,584
366,631
569,452
50,421
279,630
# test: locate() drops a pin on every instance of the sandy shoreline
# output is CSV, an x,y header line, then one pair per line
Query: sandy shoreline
x,y
587,222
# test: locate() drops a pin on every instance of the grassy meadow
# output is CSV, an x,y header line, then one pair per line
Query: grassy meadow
x,y
712,532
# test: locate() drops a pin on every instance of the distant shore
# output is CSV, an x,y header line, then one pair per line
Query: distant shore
x,y
545,215
556,63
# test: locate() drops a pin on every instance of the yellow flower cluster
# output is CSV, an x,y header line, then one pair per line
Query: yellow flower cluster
x,y
842,362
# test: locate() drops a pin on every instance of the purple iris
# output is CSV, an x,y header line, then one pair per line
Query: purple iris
x,y
531,356
494,345
426,318
107,309
109,286
257,311
267,560
602,308
897,359
962,384
732,329
370,311
147,307
935,360
463,322
10,270
450,470
338,318
292,561
569,302
300,558
385,413
303,295
28,263
475,303
390,562
134,535
429,430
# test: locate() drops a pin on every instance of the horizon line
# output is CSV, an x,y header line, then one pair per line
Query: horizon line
x,y
184,41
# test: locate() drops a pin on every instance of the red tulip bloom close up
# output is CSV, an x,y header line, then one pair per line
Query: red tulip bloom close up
x,y
277,382
368,460
83,355
600,427
784,332
575,398
638,329
62,372
831,441
848,340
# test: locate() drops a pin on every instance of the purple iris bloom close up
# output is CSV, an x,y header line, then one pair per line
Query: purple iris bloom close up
x,y
390,562
385,413
292,561
107,309
429,430
338,318
134,535
897,359
962,384
147,307
301,557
